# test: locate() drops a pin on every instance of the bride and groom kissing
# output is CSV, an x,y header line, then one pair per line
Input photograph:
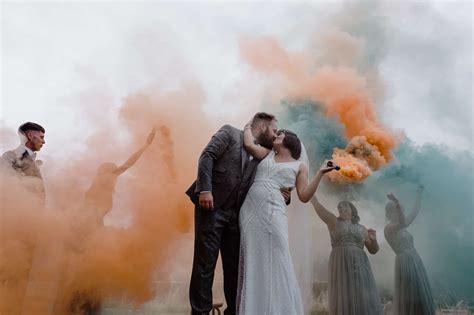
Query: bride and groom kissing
x,y
243,186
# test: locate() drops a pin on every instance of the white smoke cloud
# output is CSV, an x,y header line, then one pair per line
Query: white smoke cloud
x,y
428,71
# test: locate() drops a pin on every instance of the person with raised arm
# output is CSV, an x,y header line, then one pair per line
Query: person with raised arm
x,y
98,202
352,289
412,294
99,196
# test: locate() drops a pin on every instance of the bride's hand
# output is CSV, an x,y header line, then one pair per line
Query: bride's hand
x,y
372,234
325,168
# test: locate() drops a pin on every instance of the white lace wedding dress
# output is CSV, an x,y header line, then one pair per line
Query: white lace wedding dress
x,y
267,280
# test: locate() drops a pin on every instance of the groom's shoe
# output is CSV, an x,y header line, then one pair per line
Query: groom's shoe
x,y
227,311
216,308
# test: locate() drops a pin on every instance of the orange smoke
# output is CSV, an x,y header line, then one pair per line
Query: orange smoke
x,y
343,93
168,155
92,261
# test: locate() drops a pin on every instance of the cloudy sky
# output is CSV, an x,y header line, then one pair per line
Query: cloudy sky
x,y
61,59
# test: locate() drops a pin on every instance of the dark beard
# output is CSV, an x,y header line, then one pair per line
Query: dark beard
x,y
265,141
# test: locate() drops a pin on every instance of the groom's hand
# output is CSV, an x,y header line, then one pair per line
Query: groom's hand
x,y
286,193
372,234
206,201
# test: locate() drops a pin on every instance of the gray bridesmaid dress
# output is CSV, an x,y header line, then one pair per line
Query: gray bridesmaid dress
x,y
413,295
352,289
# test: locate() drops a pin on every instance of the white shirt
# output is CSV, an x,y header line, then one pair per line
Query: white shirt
x,y
30,152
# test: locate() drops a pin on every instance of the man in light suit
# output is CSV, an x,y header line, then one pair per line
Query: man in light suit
x,y
22,162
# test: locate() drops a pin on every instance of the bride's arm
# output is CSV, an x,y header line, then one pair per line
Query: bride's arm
x,y
257,151
304,189
302,185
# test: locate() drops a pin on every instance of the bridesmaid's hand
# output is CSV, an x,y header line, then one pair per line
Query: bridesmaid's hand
x,y
392,198
151,136
371,242
372,234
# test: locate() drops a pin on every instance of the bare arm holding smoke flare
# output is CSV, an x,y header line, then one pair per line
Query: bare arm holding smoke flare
x,y
416,209
256,150
213,151
306,190
371,242
134,158
324,214
394,227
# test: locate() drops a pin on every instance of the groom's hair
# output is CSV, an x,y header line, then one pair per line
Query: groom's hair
x,y
30,126
261,116
292,143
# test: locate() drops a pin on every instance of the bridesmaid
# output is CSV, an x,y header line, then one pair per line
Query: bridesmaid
x,y
352,289
412,294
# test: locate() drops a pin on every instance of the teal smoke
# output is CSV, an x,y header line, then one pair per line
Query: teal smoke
x,y
319,134
443,230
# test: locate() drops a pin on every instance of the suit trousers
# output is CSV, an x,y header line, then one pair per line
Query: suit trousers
x,y
215,230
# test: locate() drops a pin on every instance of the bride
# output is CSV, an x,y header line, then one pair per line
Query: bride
x,y
267,280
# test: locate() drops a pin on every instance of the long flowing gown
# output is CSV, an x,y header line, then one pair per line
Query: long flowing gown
x,y
352,289
267,280
412,294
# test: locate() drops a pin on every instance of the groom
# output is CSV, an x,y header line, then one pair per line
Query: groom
x,y
225,173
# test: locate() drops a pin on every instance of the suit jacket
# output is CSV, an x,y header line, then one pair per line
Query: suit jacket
x,y
18,162
223,169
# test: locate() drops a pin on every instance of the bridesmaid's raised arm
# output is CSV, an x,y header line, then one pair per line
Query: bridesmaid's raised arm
x,y
395,227
416,208
324,214
134,158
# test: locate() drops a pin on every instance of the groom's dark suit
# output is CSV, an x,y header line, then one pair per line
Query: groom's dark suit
x,y
226,170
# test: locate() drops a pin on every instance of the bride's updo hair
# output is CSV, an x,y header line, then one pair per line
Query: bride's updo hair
x,y
292,143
